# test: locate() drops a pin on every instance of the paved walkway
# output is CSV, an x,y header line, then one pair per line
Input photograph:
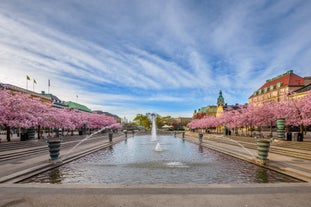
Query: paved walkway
x,y
245,195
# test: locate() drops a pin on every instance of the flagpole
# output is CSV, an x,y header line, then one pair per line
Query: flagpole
x,y
27,79
49,86
33,84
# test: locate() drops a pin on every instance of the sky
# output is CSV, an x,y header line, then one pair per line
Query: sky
x,y
143,56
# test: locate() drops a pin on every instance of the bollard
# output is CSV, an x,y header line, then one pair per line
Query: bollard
x,y
54,148
31,133
200,138
280,124
263,149
110,136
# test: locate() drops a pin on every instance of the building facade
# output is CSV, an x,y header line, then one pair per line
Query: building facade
x,y
280,88
16,89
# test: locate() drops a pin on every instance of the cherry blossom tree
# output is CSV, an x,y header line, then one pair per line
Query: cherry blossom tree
x,y
299,112
19,110
22,110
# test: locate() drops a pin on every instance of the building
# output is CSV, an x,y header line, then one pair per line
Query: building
x,y
213,110
117,118
182,122
74,105
46,98
56,102
280,87
16,89
220,104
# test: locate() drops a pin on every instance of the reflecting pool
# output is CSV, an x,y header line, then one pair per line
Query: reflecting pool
x,y
136,161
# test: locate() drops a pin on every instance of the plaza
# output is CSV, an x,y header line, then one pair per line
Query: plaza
x,y
155,103
273,194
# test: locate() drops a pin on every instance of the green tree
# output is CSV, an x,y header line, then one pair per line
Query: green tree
x,y
142,120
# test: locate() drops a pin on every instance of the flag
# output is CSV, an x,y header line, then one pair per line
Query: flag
x,y
27,77
34,81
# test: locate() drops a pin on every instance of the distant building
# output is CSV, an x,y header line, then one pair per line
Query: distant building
x,y
213,110
280,87
182,121
56,102
74,105
117,118
220,104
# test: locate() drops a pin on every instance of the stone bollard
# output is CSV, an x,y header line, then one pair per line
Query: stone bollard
x,y
110,136
200,138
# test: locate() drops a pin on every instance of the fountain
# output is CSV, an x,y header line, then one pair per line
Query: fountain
x,y
238,143
154,133
86,138
179,163
158,148
153,129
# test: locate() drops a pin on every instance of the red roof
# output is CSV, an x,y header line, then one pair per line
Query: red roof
x,y
286,79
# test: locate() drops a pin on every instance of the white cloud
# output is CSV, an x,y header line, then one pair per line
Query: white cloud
x,y
124,58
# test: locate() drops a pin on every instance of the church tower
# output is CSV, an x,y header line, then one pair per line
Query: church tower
x,y
220,104
220,100
220,110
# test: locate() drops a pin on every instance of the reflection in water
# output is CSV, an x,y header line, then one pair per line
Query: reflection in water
x,y
200,148
55,176
261,175
136,162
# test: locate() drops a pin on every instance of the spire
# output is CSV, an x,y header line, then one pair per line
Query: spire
x,y
220,100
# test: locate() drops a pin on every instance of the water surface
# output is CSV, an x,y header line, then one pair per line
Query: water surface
x,y
136,162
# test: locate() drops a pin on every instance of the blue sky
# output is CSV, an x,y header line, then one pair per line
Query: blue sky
x,y
164,56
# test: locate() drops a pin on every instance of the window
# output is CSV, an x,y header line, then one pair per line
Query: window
x,y
266,89
271,87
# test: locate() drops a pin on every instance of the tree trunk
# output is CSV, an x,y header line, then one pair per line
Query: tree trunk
x,y
8,133
39,132
301,128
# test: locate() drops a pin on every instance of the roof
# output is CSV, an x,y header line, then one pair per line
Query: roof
x,y
22,90
74,105
202,110
211,109
287,79
303,89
